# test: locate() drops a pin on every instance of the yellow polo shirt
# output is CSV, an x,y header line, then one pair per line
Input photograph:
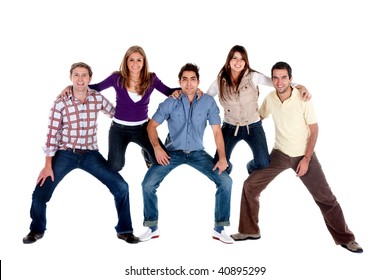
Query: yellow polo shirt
x,y
291,120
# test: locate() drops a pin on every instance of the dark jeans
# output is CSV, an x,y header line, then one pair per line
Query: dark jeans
x,y
120,136
95,164
315,182
256,140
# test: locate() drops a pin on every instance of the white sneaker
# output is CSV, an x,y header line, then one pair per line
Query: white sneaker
x,y
223,237
147,235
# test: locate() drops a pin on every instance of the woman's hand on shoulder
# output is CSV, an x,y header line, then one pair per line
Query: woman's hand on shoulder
x,y
175,94
305,94
65,93
199,92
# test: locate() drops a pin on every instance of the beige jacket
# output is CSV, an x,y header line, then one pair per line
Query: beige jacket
x,y
242,108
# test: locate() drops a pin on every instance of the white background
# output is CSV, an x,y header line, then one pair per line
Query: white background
x,y
337,49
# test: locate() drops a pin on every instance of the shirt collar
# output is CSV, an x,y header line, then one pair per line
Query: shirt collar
x,y
89,93
196,97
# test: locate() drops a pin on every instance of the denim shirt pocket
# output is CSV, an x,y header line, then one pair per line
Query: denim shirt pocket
x,y
178,117
199,117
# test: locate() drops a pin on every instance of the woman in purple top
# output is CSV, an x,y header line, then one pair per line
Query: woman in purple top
x,y
133,84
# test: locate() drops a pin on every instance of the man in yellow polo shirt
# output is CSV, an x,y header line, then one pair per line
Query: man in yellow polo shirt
x,y
296,132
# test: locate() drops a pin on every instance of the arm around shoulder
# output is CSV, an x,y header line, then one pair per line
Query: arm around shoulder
x,y
305,95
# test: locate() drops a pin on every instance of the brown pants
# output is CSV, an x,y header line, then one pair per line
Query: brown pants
x,y
315,182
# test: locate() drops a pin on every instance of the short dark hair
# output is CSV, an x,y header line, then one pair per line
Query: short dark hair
x,y
189,67
282,65
81,64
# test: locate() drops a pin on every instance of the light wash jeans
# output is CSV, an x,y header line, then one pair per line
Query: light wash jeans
x,y
201,161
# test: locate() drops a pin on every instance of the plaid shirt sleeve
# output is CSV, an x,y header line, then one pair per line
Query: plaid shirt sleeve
x,y
54,124
108,108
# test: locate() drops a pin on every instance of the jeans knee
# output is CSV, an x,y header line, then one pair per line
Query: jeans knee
x,y
226,182
147,188
41,196
116,166
229,181
121,189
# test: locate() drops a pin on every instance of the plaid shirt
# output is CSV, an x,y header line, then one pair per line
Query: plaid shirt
x,y
73,124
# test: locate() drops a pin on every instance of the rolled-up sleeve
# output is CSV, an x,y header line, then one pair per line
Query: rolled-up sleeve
x,y
164,110
214,117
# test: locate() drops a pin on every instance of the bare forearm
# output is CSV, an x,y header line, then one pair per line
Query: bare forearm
x,y
312,140
219,143
153,134
48,162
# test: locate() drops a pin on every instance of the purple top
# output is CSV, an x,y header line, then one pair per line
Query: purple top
x,y
126,108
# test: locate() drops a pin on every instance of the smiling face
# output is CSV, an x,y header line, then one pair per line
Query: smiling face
x,y
237,63
189,83
281,80
135,63
80,78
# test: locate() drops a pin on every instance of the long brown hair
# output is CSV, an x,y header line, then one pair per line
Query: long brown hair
x,y
225,74
145,76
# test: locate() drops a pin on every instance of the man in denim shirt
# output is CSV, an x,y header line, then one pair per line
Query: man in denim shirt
x,y
187,118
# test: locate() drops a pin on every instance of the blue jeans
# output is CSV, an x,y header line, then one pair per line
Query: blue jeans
x,y
256,140
201,161
120,136
95,164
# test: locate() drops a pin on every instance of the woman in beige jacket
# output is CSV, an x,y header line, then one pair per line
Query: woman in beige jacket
x,y
238,93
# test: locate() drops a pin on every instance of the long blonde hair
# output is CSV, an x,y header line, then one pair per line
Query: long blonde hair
x,y
145,76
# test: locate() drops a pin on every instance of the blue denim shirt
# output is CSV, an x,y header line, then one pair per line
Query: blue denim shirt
x,y
187,122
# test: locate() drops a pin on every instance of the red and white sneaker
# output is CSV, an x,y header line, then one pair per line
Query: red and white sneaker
x,y
149,234
223,237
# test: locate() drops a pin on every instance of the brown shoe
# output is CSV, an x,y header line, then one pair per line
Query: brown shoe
x,y
242,236
353,246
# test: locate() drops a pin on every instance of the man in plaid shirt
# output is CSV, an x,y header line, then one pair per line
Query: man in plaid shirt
x,y
72,143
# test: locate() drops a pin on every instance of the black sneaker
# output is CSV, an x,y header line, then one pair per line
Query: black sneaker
x,y
128,237
31,237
